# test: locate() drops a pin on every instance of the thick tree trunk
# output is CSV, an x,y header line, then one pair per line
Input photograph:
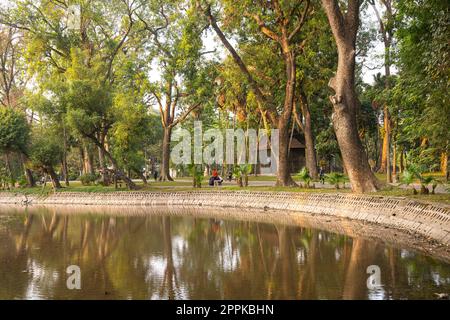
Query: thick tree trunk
x,y
283,166
88,160
141,176
165,156
54,177
104,169
119,173
345,101
283,171
30,179
28,173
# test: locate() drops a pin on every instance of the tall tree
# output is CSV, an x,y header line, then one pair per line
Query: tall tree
x,y
344,26
386,29
173,40
78,60
280,23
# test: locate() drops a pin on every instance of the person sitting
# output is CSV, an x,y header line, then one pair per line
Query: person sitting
x,y
215,177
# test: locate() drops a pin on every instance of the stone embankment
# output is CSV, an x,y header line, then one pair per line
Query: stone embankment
x,y
431,221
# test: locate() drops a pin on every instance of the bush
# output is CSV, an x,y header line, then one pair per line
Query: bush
x,y
335,178
88,179
304,176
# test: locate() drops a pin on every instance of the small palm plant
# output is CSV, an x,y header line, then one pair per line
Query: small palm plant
x,y
407,178
241,173
335,178
434,185
425,181
304,176
197,175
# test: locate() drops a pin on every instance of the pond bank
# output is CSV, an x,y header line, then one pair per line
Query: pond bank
x,y
428,220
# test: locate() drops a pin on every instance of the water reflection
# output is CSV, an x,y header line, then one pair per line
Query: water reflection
x,y
164,257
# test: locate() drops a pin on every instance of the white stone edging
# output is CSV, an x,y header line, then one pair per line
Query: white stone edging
x,y
426,219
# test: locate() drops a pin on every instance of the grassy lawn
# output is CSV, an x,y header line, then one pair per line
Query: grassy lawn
x,y
176,186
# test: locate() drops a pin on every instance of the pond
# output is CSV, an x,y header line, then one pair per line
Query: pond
x,y
165,256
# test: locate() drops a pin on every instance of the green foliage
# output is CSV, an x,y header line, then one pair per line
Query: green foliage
x,y
197,175
415,171
88,179
304,176
46,150
326,144
14,130
241,173
420,94
407,177
336,178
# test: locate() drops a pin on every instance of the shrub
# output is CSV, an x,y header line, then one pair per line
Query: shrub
x,y
304,176
88,179
335,178
241,173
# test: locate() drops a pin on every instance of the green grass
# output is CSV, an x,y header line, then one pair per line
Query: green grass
x,y
176,186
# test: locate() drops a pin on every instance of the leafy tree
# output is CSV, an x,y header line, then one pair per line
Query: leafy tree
x,y
345,101
14,131
421,90
45,154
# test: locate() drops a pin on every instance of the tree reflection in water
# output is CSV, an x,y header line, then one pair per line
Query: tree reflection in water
x,y
164,257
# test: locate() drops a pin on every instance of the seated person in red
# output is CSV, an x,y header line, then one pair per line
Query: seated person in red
x,y
215,177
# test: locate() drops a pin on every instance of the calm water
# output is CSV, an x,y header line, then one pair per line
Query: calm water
x,y
167,257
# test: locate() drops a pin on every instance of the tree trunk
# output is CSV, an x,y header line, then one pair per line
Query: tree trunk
x,y
54,177
345,101
103,167
394,163
402,160
444,165
88,160
65,169
30,179
165,156
387,39
28,173
119,173
310,150
386,151
141,176
8,171
283,173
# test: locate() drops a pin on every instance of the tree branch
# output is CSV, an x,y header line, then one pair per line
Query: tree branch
x,y
301,22
184,115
